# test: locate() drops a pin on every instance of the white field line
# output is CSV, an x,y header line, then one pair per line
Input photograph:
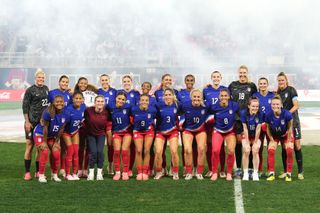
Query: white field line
x,y
238,199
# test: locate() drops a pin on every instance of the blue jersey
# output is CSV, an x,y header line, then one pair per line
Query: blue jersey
x,y
109,95
224,117
211,95
120,117
252,121
184,95
133,97
143,119
195,117
65,94
75,118
167,117
55,124
159,95
264,103
279,126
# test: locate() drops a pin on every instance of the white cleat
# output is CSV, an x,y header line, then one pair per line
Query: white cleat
x,y
209,174
199,176
62,173
91,174
75,177
69,177
188,176
158,176
55,177
255,176
222,175
170,174
175,176
99,177
42,178
245,176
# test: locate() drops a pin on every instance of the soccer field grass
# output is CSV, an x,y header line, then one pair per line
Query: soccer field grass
x,y
165,195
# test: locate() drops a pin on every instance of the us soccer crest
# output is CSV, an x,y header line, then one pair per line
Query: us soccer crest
x,y
131,95
286,95
202,112
230,111
269,101
149,115
175,110
63,120
282,122
124,111
110,93
249,89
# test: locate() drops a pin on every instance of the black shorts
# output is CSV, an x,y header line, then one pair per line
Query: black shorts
x,y
29,135
238,127
296,130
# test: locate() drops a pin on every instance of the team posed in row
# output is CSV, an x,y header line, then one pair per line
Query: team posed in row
x,y
71,129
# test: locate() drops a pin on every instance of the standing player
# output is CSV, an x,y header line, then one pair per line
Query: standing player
x,y
167,117
195,114
166,83
223,129
184,96
211,95
143,134
89,93
251,120
63,90
132,99
109,94
70,136
96,118
34,102
279,129
122,135
289,97
241,91
47,135
265,97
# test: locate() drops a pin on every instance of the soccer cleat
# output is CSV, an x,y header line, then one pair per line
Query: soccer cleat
x,y
130,173
42,178
55,177
245,176
214,176
288,177
125,176
27,176
117,176
271,177
69,177
282,175
110,169
62,172
199,176
188,176
99,177
300,176
209,174
139,176
158,176
91,175
222,174
36,175
75,177
250,173
255,176
238,174
175,176
145,177
229,177
80,173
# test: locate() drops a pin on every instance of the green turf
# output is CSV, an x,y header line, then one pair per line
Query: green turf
x,y
165,195
10,105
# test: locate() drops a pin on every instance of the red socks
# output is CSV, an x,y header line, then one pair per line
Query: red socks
x,y
75,158
200,169
230,162
43,160
125,160
271,160
140,169
289,152
116,160
175,169
56,161
69,158
145,169
188,169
